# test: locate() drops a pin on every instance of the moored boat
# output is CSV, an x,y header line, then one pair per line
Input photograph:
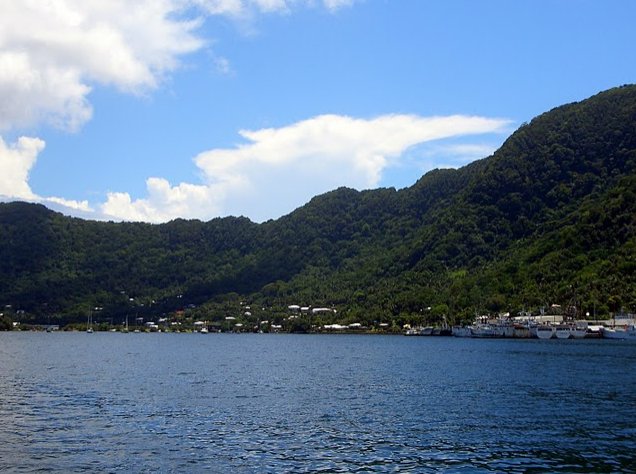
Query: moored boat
x,y
486,330
627,334
506,329
580,330
522,331
412,332
544,331
461,331
563,331
418,331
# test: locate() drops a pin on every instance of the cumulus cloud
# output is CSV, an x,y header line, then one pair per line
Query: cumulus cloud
x,y
67,205
279,169
16,161
51,55
164,202
53,52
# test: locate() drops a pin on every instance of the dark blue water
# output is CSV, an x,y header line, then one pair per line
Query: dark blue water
x,y
285,403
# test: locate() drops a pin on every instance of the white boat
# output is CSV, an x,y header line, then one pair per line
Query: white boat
x,y
416,331
544,331
506,329
461,331
627,334
579,331
563,331
486,330
523,331
203,330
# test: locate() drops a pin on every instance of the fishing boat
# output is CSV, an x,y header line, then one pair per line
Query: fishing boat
x,y
563,331
419,331
545,331
506,328
580,330
461,331
409,331
486,330
523,330
627,334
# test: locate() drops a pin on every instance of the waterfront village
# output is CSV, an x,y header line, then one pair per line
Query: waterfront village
x,y
544,324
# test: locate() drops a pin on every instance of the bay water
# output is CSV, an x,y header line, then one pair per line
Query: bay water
x,y
111,402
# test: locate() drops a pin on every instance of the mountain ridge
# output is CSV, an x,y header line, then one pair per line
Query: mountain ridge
x,y
457,241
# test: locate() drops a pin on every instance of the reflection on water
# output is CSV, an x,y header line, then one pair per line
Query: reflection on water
x,y
286,403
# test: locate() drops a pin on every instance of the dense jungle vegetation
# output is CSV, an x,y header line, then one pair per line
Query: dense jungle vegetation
x,y
548,218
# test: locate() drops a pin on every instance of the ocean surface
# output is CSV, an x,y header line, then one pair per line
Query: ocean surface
x,y
110,402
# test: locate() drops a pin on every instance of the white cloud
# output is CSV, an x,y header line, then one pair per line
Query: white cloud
x,y
334,5
16,161
241,8
51,52
221,7
163,203
29,94
67,204
279,169
453,155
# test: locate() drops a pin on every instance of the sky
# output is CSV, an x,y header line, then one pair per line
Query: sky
x,y
160,109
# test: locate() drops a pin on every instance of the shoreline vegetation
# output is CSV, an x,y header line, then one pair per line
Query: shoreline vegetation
x,y
524,325
549,218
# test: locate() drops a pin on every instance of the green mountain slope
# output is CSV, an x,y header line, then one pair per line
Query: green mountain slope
x,y
549,218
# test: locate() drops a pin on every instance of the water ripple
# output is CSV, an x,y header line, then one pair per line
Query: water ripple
x,y
297,404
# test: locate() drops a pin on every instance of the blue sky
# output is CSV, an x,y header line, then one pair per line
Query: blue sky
x,y
206,108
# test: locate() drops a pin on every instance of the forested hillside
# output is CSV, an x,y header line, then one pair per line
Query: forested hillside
x,y
549,218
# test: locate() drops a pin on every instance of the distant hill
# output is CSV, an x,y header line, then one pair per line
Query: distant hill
x,y
549,218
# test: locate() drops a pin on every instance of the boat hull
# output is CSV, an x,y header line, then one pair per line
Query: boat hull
x,y
522,332
461,331
487,330
563,332
545,332
628,334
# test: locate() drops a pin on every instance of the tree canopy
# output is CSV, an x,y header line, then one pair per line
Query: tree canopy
x,y
548,218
